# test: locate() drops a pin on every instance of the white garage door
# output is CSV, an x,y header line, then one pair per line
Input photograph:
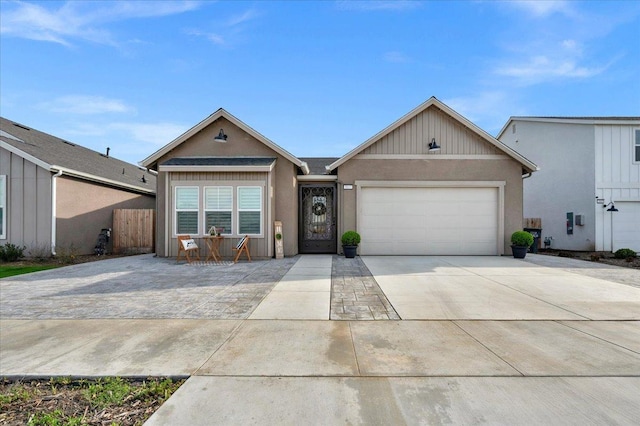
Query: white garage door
x,y
428,221
626,225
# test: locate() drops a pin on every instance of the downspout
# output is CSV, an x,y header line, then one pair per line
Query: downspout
x,y
53,211
527,176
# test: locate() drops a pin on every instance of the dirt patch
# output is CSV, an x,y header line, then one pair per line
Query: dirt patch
x,y
58,401
594,256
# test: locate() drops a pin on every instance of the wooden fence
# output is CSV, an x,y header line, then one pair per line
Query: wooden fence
x,y
134,231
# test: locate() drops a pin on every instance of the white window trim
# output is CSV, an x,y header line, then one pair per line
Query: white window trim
x,y
238,209
205,210
176,210
635,142
235,184
3,205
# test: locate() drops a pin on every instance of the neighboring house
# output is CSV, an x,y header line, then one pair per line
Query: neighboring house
x,y
55,194
403,197
586,163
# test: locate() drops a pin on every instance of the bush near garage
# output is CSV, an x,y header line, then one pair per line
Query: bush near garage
x,y
624,253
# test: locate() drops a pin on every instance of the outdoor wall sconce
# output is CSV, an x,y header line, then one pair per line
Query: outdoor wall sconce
x,y
612,208
222,138
433,145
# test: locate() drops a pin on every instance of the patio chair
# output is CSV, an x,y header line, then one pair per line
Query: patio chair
x,y
242,246
187,245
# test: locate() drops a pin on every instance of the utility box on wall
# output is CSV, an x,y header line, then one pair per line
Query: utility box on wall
x,y
569,223
579,220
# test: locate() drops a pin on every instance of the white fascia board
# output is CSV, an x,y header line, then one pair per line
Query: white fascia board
x,y
317,178
624,121
24,155
217,168
99,179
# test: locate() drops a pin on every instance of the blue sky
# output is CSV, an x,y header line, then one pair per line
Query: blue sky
x,y
317,78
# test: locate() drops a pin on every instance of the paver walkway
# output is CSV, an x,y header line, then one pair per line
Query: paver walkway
x,y
355,294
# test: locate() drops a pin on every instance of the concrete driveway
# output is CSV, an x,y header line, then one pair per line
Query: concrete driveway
x,y
481,340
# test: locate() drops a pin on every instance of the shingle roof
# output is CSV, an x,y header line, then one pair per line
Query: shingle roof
x,y
317,164
219,161
58,153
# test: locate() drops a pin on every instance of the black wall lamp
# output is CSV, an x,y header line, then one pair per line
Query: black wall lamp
x,y
612,208
222,138
433,145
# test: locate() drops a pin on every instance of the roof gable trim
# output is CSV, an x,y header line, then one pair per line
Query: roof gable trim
x,y
222,113
433,101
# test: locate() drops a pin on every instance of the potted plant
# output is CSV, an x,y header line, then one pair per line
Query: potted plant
x,y
350,241
520,243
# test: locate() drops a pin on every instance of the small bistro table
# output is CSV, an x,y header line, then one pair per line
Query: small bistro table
x,y
213,243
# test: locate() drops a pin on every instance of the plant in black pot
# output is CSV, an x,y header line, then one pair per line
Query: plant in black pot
x,y
520,243
350,241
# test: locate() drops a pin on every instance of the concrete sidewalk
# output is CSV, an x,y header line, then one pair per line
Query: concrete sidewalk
x,y
453,368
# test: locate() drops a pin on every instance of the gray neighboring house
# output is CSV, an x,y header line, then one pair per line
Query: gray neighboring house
x,y
56,194
401,192
586,163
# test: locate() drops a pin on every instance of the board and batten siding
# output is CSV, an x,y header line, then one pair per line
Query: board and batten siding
x,y
413,137
258,246
617,175
28,199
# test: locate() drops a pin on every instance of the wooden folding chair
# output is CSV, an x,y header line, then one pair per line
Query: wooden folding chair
x,y
187,245
242,246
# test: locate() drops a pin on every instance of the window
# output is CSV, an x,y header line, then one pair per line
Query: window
x,y
3,207
249,210
218,208
637,146
187,207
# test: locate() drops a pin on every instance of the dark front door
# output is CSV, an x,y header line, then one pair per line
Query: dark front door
x,y
317,219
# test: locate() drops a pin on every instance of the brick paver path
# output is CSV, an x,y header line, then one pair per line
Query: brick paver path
x,y
355,294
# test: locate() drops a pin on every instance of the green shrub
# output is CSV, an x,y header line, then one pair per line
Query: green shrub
x,y
11,252
624,253
350,238
521,239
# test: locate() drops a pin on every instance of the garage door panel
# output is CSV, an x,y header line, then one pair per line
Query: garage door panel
x,y
626,225
429,221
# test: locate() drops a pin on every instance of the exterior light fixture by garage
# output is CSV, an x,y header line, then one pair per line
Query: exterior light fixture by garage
x,y
433,145
222,138
612,208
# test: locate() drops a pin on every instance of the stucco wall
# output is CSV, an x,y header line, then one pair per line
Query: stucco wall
x,y
433,170
84,208
239,144
565,182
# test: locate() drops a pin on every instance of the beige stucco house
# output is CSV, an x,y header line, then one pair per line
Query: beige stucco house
x,y
56,195
431,183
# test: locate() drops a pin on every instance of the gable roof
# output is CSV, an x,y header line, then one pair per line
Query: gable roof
x,y
240,124
55,154
571,120
527,165
318,165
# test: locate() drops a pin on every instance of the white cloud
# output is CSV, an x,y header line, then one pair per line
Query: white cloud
x,y
397,57
212,37
541,68
80,20
373,5
81,104
155,133
488,110
233,27
243,17
539,8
